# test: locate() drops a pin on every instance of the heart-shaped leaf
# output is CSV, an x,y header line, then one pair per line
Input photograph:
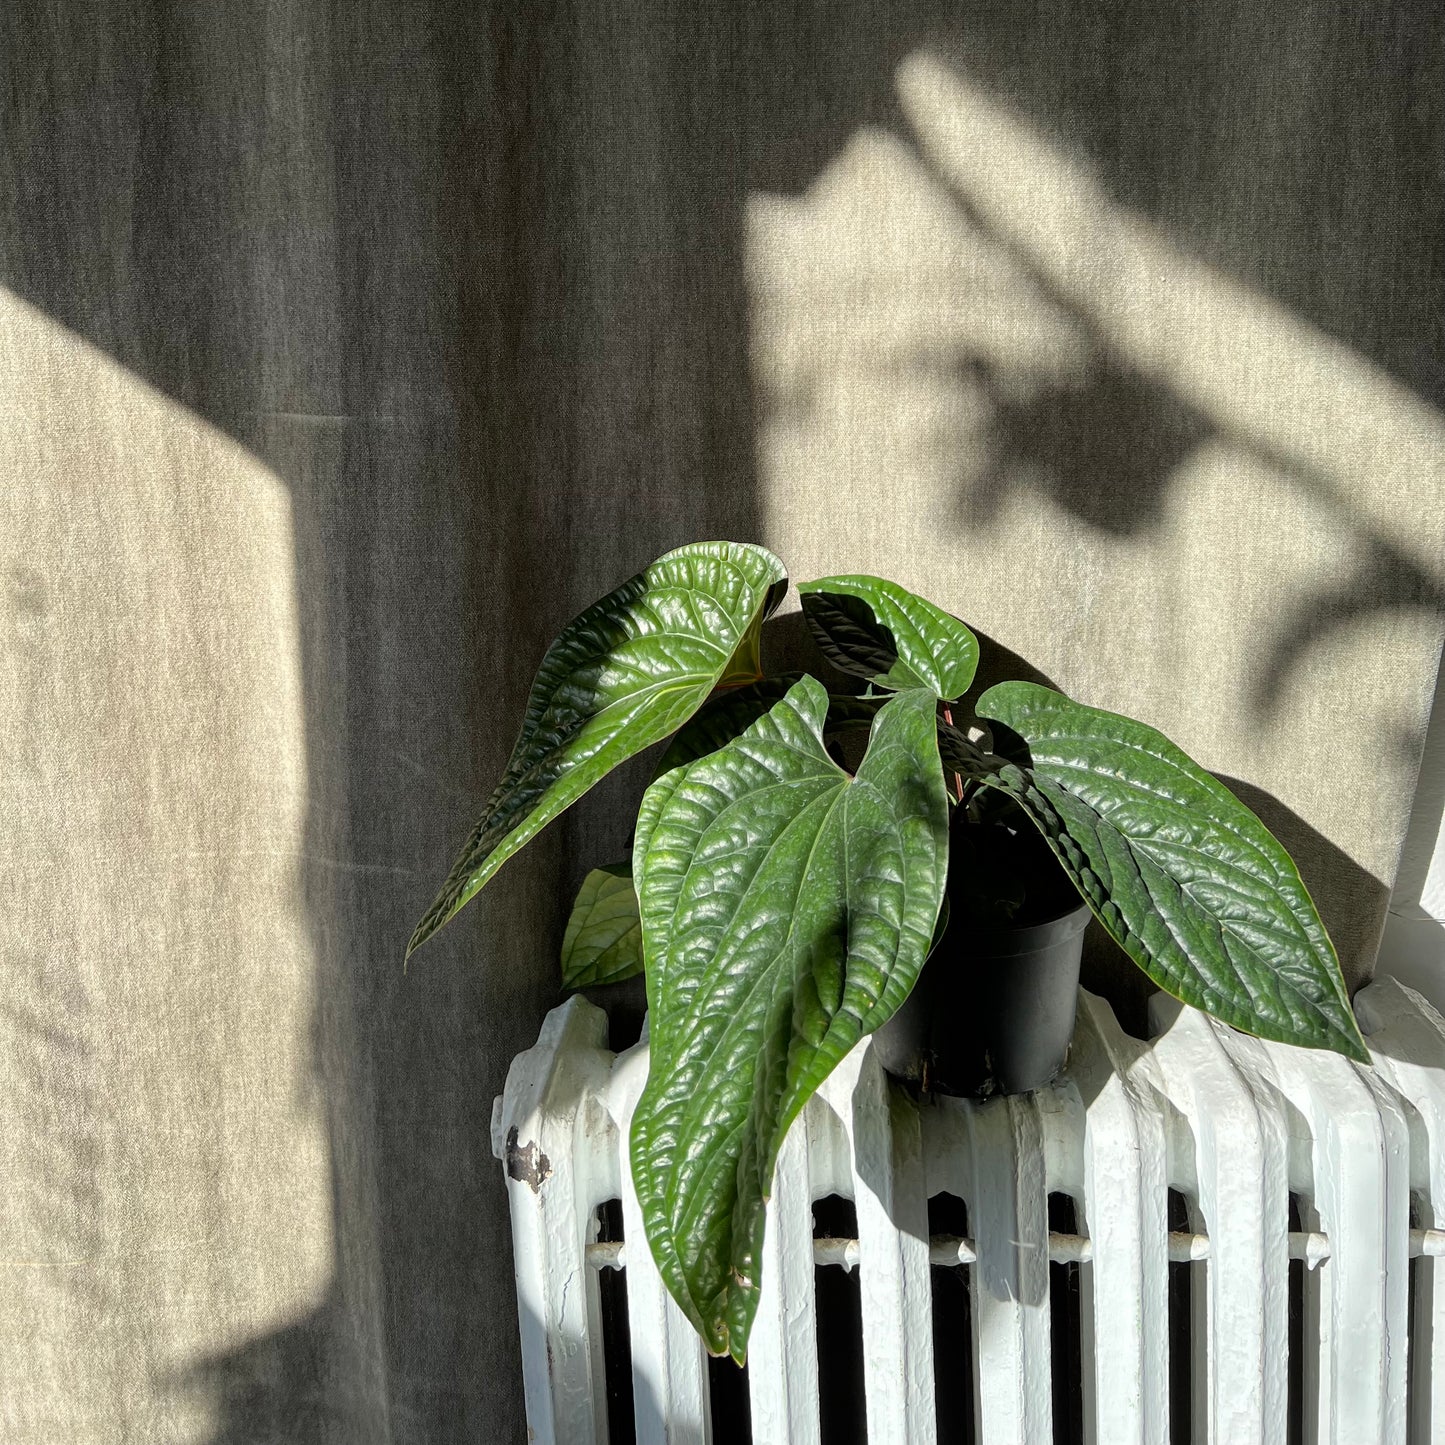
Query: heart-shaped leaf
x,y
624,675
1187,880
786,911
873,628
603,942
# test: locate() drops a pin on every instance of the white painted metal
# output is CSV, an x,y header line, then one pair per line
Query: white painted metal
x,y
1009,1284
946,1249
783,1352
1125,1167
1407,1038
892,1206
547,1140
1233,1124
1241,1171
1359,1178
669,1376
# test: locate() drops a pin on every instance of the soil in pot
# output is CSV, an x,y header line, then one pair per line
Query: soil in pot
x,y
993,1009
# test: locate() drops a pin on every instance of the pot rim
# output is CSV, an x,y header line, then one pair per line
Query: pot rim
x,y
1004,940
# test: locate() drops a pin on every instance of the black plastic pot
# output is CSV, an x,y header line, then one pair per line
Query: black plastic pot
x,y
993,1009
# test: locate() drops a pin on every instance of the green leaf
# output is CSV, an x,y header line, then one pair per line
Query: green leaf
x,y
603,942
746,664
955,751
624,675
786,911
873,628
722,718
1187,880
725,715
958,754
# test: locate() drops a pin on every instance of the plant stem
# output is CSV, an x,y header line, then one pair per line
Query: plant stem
x,y
957,779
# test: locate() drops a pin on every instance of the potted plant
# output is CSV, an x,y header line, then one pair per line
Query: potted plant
x,y
993,1009
783,897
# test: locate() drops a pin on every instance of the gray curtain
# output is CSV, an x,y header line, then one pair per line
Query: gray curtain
x,y
346,352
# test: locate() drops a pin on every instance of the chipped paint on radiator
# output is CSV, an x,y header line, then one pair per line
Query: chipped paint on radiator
x,y
1233,1124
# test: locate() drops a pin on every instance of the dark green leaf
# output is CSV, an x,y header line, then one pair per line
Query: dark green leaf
x,y
847,713
786,911
624,675
722,718
876,629
940,927
1187,880
603,942
959,755
727,714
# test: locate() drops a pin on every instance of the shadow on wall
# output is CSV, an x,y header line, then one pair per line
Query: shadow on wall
x,y
485,325
1051,345
1172,494
1413,949
1209,360
474,286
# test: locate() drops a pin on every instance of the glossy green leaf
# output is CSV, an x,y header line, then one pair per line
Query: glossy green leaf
x,y
722,718
603,941
624,675
873,628
786,911
727,714
745,666
959,754
956,752
1187,880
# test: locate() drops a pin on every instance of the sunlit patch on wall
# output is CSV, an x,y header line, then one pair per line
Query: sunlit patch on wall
x,y
153,771
978,373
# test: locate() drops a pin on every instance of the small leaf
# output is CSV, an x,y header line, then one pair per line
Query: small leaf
x,y
1184,877
786,911
873,628
603,942
624,675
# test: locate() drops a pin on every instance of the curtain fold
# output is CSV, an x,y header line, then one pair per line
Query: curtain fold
x,y
346,352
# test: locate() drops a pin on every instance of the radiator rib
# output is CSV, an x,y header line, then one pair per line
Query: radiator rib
x,y
1234,1126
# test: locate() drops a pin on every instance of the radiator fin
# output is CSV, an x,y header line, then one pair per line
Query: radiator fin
x,y
1278,1154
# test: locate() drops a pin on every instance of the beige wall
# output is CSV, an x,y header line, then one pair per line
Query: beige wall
x,y
345,352
1170,494
165,1147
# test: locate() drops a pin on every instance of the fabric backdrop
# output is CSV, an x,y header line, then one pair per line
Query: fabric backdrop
x,y
347,351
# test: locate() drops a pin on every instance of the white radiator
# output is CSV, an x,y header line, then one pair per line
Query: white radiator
x,y
1242,1130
